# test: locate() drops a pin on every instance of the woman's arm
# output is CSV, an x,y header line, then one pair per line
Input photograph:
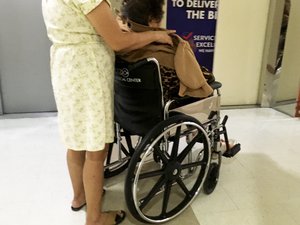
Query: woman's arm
x,y
102,19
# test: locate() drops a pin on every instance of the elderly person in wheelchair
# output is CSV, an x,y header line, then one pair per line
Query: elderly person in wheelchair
x,y
180,72
168,123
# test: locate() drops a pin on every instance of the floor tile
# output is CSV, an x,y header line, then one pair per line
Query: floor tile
x,y
260,186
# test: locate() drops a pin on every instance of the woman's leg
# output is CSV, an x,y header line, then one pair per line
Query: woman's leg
x,y
93,185
75,160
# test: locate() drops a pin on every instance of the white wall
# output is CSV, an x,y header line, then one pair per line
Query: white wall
x,y
239,48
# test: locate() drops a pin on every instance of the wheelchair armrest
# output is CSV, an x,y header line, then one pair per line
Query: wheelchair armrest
x,y
181,101
215,85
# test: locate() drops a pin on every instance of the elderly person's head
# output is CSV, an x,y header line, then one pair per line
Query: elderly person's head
x,y
145,12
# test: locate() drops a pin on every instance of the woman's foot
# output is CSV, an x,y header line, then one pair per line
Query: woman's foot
x,y
223,147
113,217
110,218
234,148
75,209
79,203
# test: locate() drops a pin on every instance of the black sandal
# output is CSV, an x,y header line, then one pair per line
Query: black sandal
x,y
75,209
119,216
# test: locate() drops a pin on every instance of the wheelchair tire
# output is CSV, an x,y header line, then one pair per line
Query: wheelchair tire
x,y
114,167
175,177
212,178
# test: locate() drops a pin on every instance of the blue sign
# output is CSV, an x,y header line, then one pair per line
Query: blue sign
x,y
195,21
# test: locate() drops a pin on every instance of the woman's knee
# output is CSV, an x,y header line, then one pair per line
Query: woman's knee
x,y
97,155
76,155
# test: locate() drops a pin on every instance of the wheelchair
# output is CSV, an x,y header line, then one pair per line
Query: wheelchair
x,y
170,150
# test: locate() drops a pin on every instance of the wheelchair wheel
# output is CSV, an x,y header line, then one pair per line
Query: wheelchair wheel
x,y
118,157
159,190
212,178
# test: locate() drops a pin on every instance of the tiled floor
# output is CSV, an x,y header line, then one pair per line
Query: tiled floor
x,y
289,109
260,186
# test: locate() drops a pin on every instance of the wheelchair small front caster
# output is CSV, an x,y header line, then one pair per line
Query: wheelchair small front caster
x,y
212,178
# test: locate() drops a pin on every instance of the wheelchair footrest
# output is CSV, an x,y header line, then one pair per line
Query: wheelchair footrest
x,y
233,151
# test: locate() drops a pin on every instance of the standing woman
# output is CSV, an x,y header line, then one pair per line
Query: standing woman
x,y
85,35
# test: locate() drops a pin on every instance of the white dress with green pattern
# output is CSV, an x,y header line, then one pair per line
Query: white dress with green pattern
x,y
82,70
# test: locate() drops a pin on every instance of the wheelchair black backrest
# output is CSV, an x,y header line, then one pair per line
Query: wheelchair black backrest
x,y
138,95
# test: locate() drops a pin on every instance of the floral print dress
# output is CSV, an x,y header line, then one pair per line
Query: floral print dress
x,y
82,70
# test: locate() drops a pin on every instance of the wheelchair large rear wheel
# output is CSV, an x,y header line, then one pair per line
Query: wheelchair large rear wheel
x,y
159,190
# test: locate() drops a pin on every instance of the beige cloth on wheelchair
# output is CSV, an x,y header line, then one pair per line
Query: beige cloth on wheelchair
x,y
179,57
82,71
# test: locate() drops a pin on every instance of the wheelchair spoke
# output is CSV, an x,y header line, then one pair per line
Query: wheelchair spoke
x,y
187,149
183,187
176,143
161,154
108,157
193,164
151,174
124,150
129,144
153,191
166,197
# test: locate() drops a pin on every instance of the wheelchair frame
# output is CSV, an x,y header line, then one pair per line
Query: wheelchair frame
x,y
176,159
